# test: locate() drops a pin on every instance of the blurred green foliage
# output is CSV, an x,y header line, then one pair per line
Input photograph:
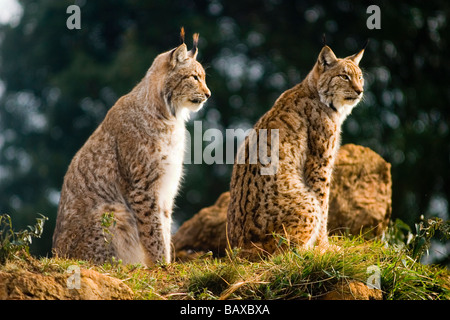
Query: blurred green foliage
x,y
59,84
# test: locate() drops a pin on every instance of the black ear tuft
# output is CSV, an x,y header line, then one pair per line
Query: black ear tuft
x,y
182,34
365,44
195,38
194,50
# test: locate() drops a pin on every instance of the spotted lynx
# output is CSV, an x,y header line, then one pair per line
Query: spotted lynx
x,y
293,202
131,166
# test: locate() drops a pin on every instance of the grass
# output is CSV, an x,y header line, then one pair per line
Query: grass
x,y
292,274
390,264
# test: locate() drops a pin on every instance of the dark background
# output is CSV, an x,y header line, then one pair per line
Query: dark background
x,y
58,85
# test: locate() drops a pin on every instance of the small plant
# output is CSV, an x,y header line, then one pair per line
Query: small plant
x,y
425,231
107,221
12,242
398,234
417,244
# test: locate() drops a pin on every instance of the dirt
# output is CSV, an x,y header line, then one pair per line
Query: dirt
x,y
26,285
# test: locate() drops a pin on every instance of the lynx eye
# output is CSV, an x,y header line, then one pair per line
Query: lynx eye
x,y
345,77
195,78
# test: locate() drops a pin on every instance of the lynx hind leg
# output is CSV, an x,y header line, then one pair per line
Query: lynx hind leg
x,y
85,242
119,230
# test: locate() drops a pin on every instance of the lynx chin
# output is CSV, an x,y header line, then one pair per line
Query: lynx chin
x,y
131,166
293,202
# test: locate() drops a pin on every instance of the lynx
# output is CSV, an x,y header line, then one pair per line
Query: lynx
x,y
293,202
130,167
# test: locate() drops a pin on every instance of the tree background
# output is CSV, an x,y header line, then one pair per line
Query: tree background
x,y
57,85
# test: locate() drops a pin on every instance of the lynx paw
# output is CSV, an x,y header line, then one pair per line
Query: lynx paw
x,y
329,247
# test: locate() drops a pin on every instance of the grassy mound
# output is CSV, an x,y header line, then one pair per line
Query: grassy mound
x,y
292,274
391,265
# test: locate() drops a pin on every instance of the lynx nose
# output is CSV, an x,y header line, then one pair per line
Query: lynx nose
x,y
358,91
207,94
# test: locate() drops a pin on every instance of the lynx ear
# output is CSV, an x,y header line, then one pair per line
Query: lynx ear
x,y
356,58
326,57
194,51
178,55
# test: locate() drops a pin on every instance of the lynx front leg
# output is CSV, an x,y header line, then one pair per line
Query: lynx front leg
x,y
153,223
302,216
157,236
319,180
152,180
304,221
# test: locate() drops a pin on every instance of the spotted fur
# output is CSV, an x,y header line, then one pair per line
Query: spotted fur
x,y
293,202
131,167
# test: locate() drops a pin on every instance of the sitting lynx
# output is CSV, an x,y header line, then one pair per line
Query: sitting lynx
x,y
293,202
130,168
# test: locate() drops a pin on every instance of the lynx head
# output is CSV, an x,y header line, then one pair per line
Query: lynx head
x,y
184,85
339,81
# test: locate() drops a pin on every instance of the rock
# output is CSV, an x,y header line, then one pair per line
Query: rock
x,y
361,192
26,285
360,201
353,290
204,232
